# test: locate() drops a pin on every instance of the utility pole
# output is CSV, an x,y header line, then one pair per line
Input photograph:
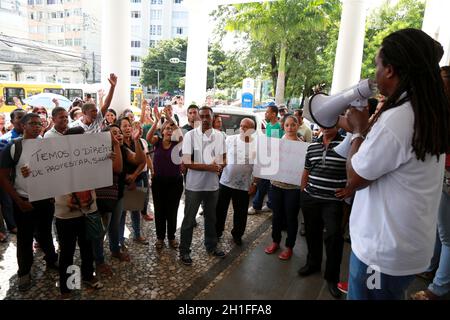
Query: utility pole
x,y
157,70
93,67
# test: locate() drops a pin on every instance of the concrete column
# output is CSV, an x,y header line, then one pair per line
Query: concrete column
x,y
437,25
197,51
116,42
349,52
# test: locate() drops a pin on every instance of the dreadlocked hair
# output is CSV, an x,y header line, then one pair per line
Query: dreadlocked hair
x,y
415,58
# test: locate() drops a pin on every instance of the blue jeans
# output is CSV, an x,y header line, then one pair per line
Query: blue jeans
x,y
114,227
105,208
263,188
192,203
389,287
441,282
135,215
434,264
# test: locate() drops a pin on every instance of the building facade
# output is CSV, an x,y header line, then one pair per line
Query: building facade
x,y
151,22
73,25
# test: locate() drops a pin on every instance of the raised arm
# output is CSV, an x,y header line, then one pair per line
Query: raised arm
x,y
113,81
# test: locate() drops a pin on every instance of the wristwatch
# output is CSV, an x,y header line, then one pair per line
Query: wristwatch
x,y
356,135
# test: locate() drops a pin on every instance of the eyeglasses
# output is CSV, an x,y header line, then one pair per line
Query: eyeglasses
x,y
32,123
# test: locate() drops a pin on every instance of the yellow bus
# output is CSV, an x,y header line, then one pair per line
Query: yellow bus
x,y
23,90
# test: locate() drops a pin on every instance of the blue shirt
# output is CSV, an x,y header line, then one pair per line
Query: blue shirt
x,y
8,137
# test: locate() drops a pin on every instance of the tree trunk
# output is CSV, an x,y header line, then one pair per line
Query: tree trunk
x,y
279,94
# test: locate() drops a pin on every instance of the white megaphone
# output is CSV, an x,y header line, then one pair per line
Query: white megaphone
x,y
324,110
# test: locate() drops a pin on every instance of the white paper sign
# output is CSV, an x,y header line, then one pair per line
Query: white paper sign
x,y
68,164
280,160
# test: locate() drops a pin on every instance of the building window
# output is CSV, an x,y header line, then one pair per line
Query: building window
x,y
69,42
155,14
135,1
67,13
51,1
61,42
135,14
155,30
178,30
179,15
30,78
65,80
135,73
32,15
77,12
30,2
38,2
177,1
157,2
152,43
135,59
77,42
135,44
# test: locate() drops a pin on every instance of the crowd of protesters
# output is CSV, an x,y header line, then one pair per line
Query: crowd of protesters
x,y
176,150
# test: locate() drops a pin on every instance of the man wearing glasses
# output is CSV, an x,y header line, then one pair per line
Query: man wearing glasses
x,y
30,216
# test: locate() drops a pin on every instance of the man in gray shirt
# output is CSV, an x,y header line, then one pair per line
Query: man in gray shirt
x,y
204,157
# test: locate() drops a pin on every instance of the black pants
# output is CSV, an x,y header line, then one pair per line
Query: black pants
x,y
285,208
69,232
35,223
239,199
319,213
167,193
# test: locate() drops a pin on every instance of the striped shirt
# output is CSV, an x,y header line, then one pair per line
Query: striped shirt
x,y
94,127
327,169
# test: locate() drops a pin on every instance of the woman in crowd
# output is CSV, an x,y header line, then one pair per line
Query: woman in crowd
x,y
148,166
217,124
2,124
133,178
75,114
167,182
285,202
42,112
107,202
110,117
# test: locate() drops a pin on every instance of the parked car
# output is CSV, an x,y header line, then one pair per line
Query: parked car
x,y
232,117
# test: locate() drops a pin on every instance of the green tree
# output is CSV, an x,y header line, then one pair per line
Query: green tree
x,y
385,20
276,25
158,59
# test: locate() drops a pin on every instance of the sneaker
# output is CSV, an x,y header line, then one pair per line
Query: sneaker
x,y
94,283
217,253
302,229
343,287
186,259
266,209
252,211
25,283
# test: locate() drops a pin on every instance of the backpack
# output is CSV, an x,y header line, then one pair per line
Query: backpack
x,y
17,153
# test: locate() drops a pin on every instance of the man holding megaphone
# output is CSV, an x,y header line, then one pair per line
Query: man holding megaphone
x,y
395,167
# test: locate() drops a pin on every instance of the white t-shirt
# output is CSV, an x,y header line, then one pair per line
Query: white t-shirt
x,y
52,133
393,220
206,149
94,127
181,112
241,156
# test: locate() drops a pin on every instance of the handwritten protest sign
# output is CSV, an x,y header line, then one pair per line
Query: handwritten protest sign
x,y
68,164
279,159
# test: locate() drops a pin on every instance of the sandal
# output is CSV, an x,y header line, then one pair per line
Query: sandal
x,y
122,256
104,269
159,244
424,295
141,240
174,244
